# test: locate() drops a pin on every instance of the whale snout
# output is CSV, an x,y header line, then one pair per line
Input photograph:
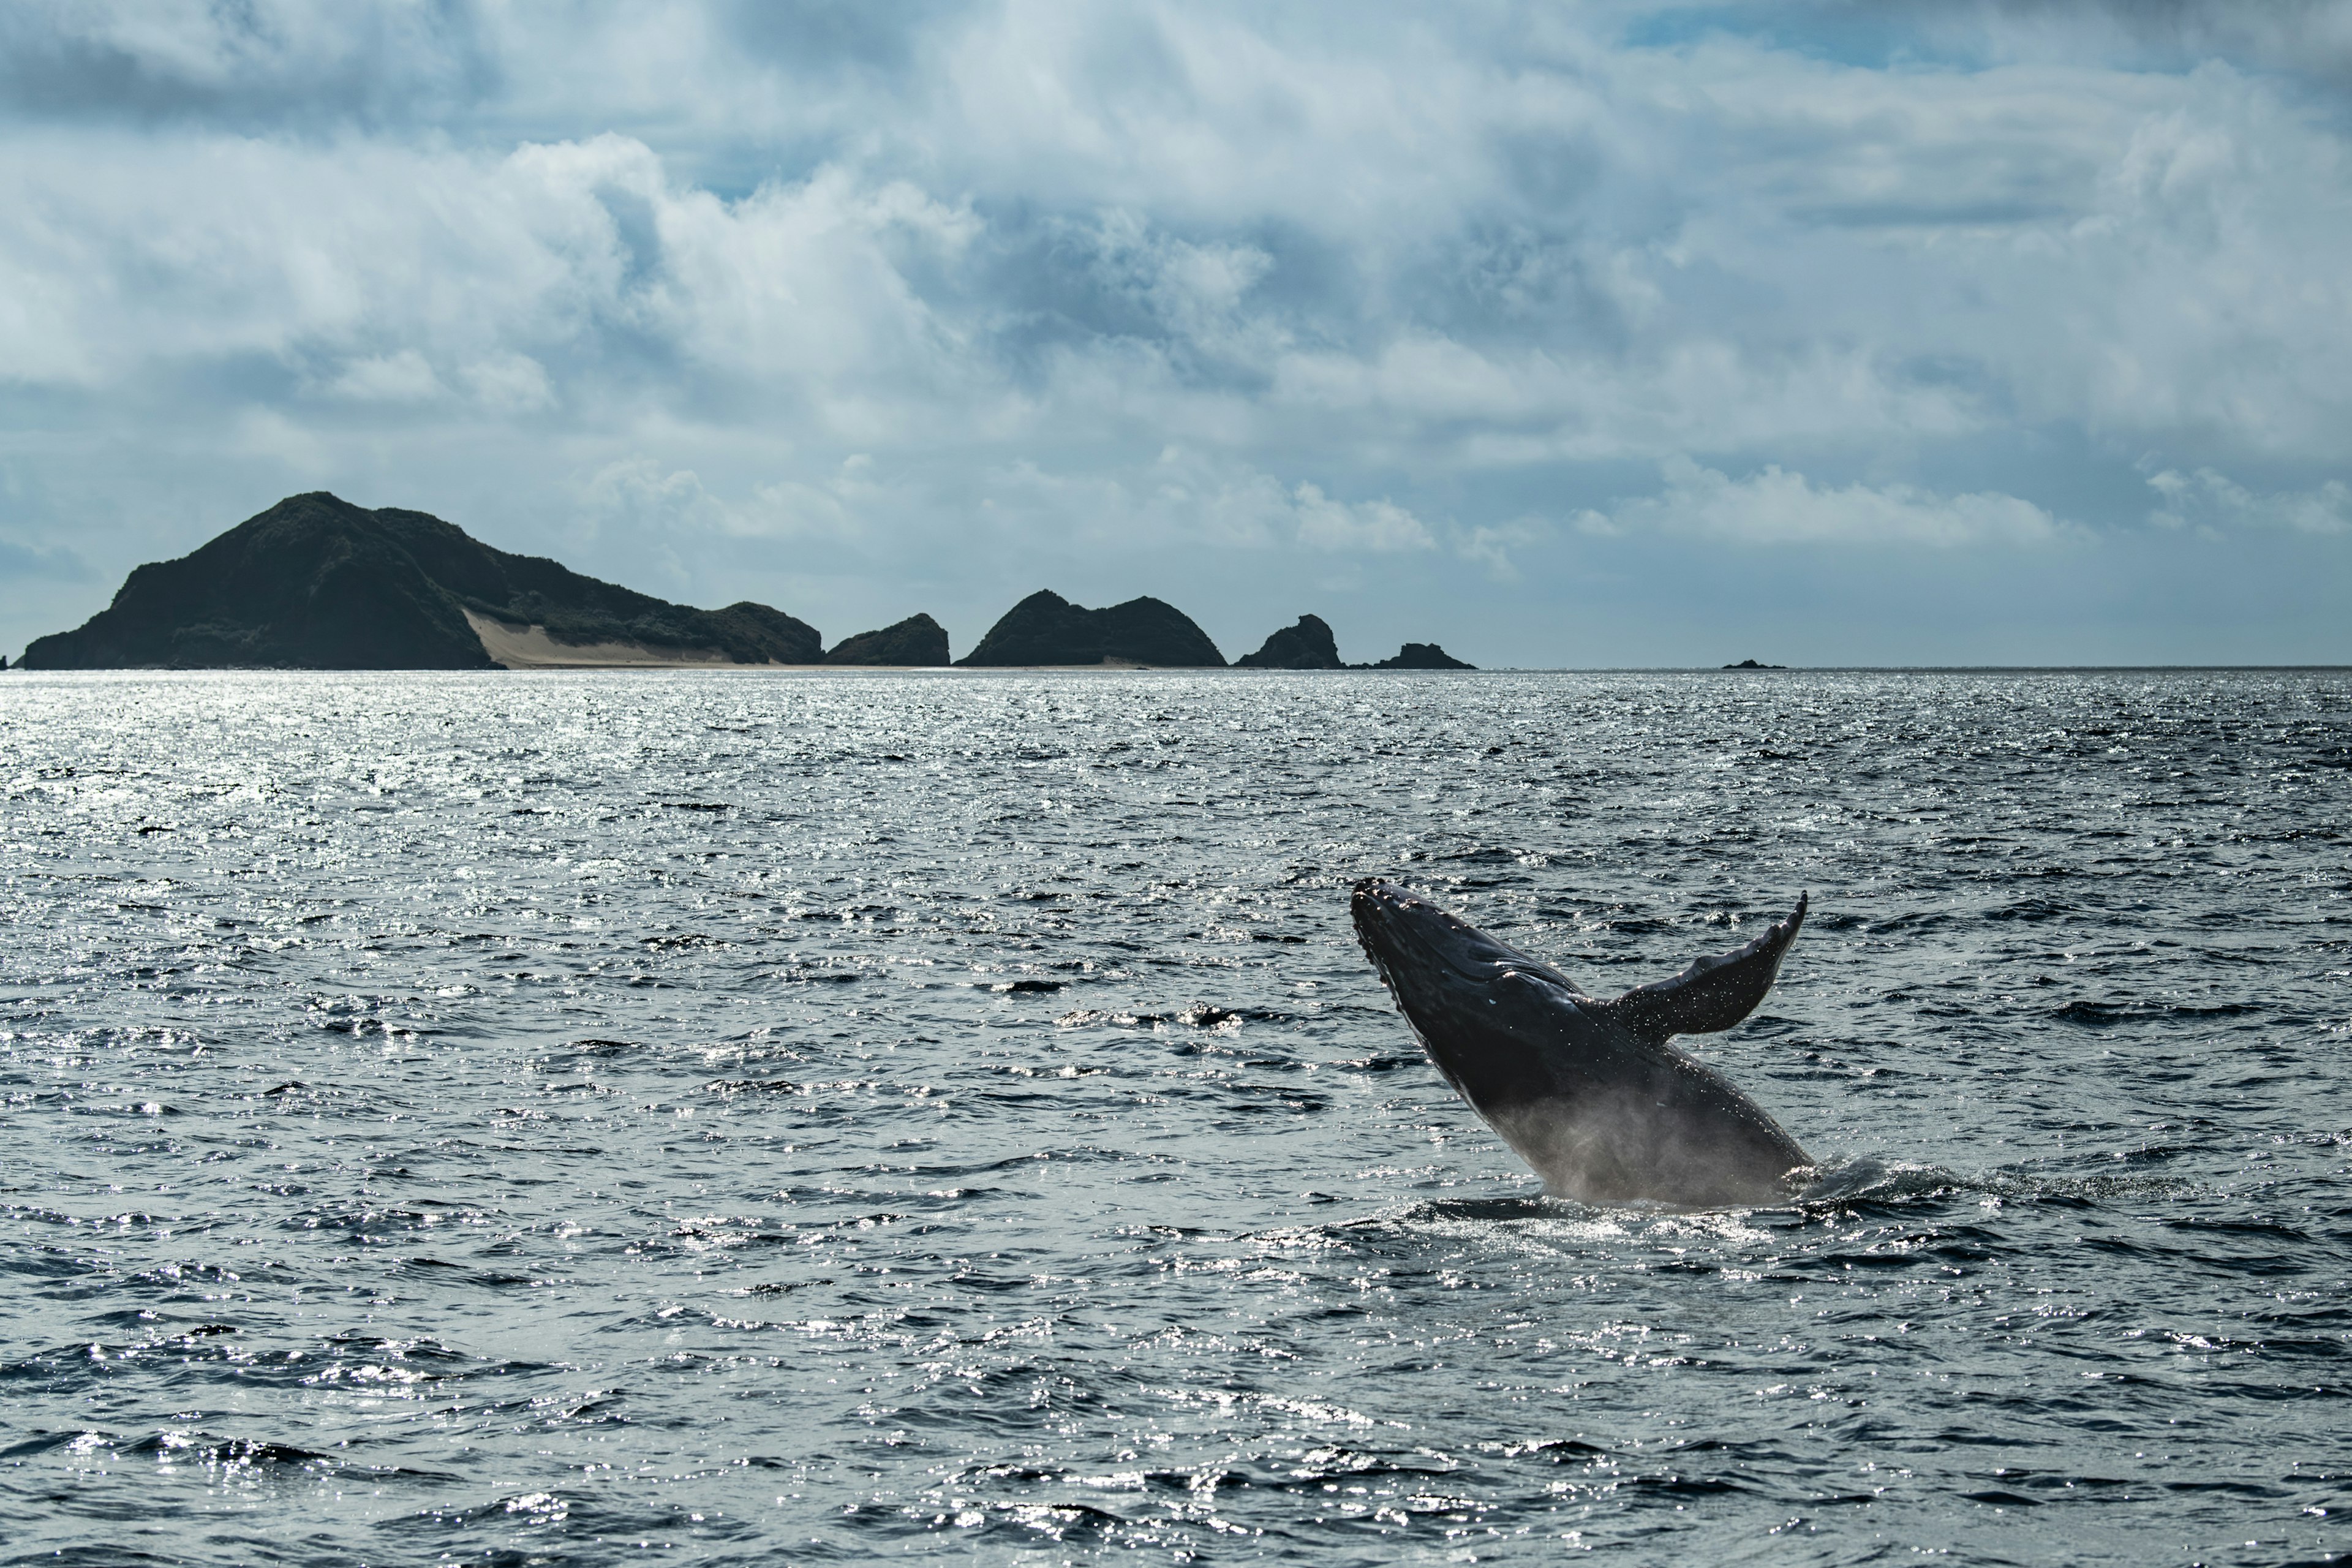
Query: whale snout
x,y
1364,908
1375,900
1381,910
1416,942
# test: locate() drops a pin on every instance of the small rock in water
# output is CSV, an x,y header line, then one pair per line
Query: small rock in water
x,y
1423,655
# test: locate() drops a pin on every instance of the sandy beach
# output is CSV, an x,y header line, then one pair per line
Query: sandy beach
x,y
530,647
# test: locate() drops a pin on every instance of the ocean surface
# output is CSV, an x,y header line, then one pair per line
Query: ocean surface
x,y
748,1118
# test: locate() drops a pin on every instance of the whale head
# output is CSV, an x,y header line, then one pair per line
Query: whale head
x,y
1473,1000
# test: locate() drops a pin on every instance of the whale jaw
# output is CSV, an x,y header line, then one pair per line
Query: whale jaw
x,y
1587,1092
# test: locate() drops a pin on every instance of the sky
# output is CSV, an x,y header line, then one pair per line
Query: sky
x,y
1593,335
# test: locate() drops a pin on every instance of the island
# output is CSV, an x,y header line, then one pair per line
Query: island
x,y
916,640
1420,656
1047,629
1752,663
315,583
1307,644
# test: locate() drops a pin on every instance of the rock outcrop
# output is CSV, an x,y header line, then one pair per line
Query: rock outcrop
x,y
1307,644
315,583
1046,629
916,640
1421,656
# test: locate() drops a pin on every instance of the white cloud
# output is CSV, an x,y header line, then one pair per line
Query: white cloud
x,y
282,445
1367,281
1379,526
1726,248
1187,496
2211,500
845,505
1772,507
638,493
401,377
1491,545
509,382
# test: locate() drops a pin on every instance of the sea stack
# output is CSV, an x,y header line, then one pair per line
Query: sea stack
x,y
315,583
1047,629
1307,644
915,641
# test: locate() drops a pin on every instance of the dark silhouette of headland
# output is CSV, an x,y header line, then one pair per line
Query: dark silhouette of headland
x,y
315,583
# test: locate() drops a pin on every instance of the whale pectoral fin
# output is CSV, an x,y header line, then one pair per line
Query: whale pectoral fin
x,y
1711,994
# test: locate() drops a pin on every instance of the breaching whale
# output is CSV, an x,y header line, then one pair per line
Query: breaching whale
x,y
1587,1092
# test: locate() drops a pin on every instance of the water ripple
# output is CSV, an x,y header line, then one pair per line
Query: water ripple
x,y
726,1117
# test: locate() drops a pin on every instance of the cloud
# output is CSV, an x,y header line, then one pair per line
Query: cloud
x,y
508,382
1379,526
381,275
2312,38
2210,501
1774,508
1185,497
639,495
43,561
1369,283
401,377
1182,497
258,61
1490,545
1579,254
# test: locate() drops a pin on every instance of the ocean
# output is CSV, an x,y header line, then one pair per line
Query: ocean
x,y
731,1117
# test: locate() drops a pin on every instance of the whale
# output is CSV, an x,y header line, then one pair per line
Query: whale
x,y
1589,1092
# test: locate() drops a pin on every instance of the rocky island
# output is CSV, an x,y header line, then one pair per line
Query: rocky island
x,y
1047,629
1420,656
915,641
315,583
1307,644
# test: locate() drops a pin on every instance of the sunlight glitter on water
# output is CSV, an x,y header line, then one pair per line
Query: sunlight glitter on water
x,y
523,1118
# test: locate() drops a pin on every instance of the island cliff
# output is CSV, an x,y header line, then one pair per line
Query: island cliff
x,y
916,640
315,583
1046,628
1305,645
